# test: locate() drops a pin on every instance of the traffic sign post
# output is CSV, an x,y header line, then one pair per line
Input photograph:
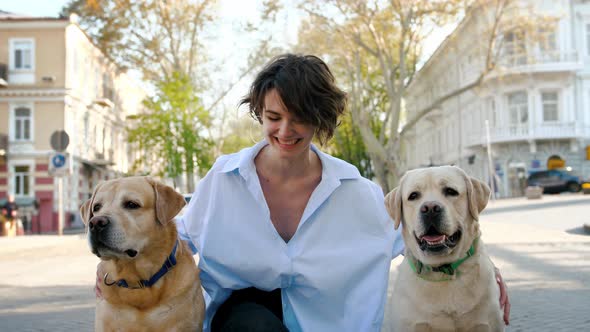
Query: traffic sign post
x,y
59,166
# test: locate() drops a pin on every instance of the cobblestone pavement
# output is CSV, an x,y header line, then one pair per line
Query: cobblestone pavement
x,y
46,281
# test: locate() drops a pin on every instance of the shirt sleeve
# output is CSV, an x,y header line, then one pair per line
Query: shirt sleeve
x,y
398,246
183,234
192,223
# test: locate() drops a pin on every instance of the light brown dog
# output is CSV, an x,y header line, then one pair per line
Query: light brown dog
x,y
151,281
446,281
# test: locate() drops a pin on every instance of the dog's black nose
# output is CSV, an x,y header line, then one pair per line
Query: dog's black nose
x,y
98,223
430,209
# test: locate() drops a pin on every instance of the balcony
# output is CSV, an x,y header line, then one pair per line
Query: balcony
x,y
538,61
101,160
511,133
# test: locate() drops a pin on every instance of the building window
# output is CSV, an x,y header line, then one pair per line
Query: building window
x,y
22,123
515,52
550,100
22,54
548,45
518,108
21,181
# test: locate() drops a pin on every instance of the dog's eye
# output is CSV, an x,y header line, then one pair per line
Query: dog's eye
x,y
131,205
96,207
451,192
413,196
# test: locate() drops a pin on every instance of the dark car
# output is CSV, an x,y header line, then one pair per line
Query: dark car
x,y
555,181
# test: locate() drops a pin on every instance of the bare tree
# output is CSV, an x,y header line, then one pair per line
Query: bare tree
x,y
383,40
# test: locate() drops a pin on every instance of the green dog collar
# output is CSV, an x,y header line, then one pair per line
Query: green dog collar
x,y
447,269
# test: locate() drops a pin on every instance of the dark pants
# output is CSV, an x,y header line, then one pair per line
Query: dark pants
x,y
250,310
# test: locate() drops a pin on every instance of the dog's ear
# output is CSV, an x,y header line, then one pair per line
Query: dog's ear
x,y
478,194
86,208
393,203
168,201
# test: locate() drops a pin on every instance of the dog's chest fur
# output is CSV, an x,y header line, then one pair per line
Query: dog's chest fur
x,y
180,313
460,304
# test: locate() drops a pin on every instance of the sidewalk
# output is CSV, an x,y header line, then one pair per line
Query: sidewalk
x,y
47,280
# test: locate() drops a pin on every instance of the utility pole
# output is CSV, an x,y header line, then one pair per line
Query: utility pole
x,y
490,162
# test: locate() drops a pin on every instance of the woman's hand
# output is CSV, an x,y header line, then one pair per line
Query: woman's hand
x,y
504,301
99,275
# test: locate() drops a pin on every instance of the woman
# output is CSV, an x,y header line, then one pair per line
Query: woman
x,y
290,237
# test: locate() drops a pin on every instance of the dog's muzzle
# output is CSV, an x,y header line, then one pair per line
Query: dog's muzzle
x,y
435,240
101,235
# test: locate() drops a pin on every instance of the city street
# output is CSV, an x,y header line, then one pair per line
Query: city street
x,y
539,246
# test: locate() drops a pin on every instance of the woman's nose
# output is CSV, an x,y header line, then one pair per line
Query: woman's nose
x,y
285,127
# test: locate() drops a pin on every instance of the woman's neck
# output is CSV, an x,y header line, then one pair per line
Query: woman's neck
x,y
274,166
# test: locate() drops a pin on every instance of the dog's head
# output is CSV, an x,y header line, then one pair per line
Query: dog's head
x,y
126,216
439,208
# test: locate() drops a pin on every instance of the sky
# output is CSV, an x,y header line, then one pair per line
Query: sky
x,y
33,7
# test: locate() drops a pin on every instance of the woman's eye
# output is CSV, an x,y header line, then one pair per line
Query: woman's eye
x,y
96,207
131,205
273,119
451,192
413,196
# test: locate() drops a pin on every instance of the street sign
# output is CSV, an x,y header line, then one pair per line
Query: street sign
x,y
59,140
59,164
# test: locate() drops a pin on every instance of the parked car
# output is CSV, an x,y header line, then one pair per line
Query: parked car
x,y
555,181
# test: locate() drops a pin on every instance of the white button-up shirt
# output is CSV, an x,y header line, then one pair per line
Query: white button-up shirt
x,y
332,273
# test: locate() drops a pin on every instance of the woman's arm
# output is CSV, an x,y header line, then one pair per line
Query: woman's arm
x,y
504,301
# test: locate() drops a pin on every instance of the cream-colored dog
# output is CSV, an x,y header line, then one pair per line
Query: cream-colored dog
x,y
151,281
446,281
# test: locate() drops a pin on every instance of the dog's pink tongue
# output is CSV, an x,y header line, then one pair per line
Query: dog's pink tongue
x,y
433,238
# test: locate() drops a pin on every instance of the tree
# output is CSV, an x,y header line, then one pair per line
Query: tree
x,y
383,41
317,37
157,38
242,132
164,41
172,129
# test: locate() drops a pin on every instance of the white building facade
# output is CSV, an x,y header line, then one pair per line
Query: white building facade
x,y
536,101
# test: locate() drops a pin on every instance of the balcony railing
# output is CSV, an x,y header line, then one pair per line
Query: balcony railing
x,y
539,60
510,133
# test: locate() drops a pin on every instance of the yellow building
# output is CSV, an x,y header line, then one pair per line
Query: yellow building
x,y
53,78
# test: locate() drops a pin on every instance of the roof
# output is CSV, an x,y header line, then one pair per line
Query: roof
x,y
15,17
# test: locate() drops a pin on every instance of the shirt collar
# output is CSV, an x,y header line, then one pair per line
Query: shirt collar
x,y
243,161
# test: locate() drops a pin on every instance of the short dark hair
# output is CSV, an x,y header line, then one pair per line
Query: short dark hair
x,y
306,87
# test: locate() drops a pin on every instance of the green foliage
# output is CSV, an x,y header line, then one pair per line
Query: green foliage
x,y
348,145
172,128
243,132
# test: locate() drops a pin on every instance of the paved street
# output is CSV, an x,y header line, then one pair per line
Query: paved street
x,y
540,247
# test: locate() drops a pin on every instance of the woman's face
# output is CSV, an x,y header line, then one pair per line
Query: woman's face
x,y
285,133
